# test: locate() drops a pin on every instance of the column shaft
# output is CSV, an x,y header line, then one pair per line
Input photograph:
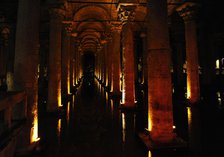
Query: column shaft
x,y
159,76
128,80
187,11
193,86
54,82
116,40
26,64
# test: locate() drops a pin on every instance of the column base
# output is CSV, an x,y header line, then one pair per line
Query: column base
x,y
130,107
176,143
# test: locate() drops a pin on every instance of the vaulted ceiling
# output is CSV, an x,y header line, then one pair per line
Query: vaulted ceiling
x,y
92,20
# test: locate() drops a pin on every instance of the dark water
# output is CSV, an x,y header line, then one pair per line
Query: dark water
x,y
94,126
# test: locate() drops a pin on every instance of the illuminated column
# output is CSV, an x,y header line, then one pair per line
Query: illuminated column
x,y
76,62
187,12
116,67
65,54
104,61
100,65
71,62
26,65
144,49
79,59
109,56
128,80
160,111
54,81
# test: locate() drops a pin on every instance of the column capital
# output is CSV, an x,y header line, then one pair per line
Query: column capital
x,y
126,12
57,13
188,11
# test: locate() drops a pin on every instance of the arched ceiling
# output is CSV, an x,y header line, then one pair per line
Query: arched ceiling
x,y
91,19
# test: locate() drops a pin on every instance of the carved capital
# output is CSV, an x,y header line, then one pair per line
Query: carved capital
x,y
126,12
188,11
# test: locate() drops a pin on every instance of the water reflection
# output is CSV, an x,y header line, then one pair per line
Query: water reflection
x,y
98,128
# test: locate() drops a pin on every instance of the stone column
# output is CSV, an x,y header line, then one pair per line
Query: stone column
x,y
65,57
104,66
126,15
128,79
187,12
26,66
76,63
160,110
54,76
144,59
109,56
71,62
116,67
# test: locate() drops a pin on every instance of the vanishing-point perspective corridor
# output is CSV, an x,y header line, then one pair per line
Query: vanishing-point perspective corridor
x,y
111,78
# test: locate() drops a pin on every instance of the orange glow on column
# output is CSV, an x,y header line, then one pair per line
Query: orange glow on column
x,y
68,85
149,116
188,88
123,92
59,101
149,123
34,130
112,86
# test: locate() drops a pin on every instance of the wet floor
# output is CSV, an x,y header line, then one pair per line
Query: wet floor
x,y
93,126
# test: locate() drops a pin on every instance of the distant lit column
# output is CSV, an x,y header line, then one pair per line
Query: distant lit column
x,y
104,60
116,66
26,66
187,12
54,81
65,54
76,62
71,62
160,111
109,56
144,49
79,61
128,80
100,65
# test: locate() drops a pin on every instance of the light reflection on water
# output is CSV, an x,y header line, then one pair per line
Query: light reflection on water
x,y
95,131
